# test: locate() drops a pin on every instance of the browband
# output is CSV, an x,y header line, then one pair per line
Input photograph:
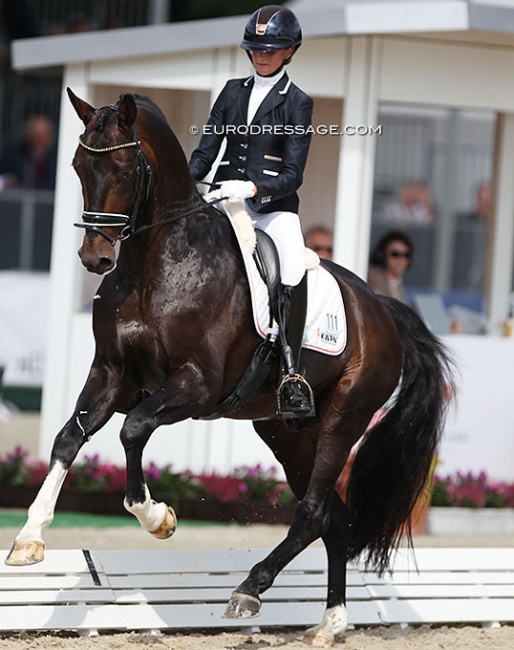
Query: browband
x,y
114,147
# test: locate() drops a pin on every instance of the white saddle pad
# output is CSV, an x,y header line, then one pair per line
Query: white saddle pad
x,y
325,327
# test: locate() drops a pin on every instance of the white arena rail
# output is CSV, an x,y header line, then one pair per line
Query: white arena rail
x,y
165,590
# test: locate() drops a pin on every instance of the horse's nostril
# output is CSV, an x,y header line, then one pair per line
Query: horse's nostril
x,y
105,264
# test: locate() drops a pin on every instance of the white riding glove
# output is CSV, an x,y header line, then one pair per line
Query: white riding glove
x,y
237,191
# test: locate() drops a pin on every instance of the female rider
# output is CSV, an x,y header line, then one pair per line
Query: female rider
x,y
266,121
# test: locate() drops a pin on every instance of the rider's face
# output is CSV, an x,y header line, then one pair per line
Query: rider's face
x,y
267,63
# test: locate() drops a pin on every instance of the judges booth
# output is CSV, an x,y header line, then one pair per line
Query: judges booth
x,y
356,58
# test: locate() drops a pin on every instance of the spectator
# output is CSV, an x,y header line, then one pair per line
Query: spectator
x,y
414,205
31,163
483,205
78,22
389,260
321,241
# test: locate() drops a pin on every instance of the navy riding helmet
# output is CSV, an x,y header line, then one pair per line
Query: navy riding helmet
x,y
272,28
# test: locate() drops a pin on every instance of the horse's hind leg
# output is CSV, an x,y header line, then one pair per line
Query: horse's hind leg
x,y
335,619
313,466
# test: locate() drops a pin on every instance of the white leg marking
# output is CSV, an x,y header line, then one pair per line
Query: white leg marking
x,y
150,514
41,512
333,625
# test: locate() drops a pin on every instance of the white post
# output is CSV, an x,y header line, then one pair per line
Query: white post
x,y
64,265
502,242
357,155
224,65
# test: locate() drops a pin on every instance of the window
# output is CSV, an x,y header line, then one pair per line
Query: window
x,y
433,179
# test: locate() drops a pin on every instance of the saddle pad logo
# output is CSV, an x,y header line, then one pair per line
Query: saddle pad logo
x,y
330,334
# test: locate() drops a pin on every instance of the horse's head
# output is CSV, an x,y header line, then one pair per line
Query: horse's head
x,y
114,175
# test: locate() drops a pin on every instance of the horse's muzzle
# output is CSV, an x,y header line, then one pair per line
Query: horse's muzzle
x,y
97,254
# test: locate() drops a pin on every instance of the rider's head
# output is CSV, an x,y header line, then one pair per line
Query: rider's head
x,y
271,37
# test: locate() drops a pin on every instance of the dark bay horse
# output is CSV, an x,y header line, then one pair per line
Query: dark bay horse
x,y
174,333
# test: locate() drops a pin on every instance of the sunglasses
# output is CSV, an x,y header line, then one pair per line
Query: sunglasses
x,y
405,254
318,249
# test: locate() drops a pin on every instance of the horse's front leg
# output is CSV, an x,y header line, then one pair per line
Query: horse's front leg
x,y
94,408
172,403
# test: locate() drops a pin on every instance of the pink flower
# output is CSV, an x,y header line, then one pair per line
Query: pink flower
x,y
223,488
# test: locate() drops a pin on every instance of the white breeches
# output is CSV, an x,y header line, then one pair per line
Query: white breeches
x,y
285,231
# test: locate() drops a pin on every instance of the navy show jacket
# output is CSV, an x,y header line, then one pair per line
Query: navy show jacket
x,y
271,151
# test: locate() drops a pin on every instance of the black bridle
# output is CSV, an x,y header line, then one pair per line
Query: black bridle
x,y
97,221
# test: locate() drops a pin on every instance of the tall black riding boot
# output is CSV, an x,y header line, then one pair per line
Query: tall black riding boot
x,y
294,395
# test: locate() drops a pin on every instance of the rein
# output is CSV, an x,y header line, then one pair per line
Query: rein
x,y
97,221
178,216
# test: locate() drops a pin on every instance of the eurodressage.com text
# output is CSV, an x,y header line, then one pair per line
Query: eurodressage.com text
x,y
285,129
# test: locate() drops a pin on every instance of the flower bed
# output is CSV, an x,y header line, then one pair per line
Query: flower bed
x,y
250,495
470,504
471,491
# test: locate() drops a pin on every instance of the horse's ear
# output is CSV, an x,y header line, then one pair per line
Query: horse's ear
x,y
127,110
82,108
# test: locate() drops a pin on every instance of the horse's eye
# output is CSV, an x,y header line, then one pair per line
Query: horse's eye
x,y
125,174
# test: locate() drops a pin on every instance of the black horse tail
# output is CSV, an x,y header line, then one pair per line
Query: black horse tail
x,y
393,463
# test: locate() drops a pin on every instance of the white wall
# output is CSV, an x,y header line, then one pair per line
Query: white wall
x,y
24,307
480,432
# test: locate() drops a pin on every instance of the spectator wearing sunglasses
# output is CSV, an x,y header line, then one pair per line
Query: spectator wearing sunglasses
x,y
321,241
389,260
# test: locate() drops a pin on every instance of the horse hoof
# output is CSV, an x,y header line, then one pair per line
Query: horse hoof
x,y
242,606
168,525
332,627
25,553
319,639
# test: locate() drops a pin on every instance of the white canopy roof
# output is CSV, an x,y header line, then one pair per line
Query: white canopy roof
x,y
489,20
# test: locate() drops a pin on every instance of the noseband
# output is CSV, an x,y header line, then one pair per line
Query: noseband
x,y
97,221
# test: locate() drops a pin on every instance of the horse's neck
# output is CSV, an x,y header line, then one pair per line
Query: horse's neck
x,y
172,197
176,262
184,229
174,187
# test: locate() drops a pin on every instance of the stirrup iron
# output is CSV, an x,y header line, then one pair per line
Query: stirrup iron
x,y
303,385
